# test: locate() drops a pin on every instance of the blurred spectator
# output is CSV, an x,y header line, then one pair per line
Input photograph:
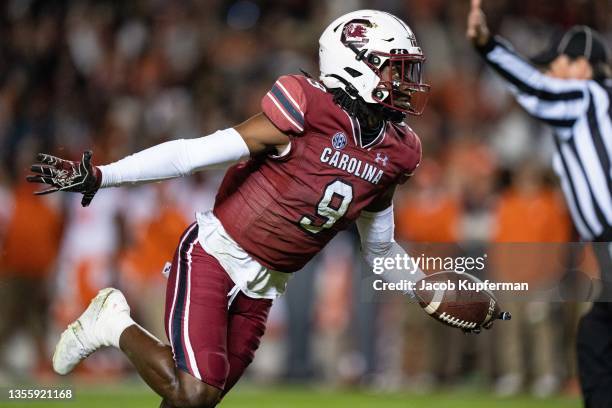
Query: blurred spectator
x,y
29,250
529,212
152,244
88,261
430,211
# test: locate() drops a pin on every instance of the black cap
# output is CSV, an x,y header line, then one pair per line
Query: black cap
x,y
578,41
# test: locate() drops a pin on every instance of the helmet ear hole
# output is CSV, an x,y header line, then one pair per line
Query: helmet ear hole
x,y
374,60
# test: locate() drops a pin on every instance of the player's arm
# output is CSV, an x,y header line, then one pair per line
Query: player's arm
x,y
376,231
553,100
164,161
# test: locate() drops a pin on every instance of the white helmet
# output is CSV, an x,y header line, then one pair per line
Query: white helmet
x,y
356,49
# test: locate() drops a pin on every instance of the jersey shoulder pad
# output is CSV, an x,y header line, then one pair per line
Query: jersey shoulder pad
x,y
287,102
411,144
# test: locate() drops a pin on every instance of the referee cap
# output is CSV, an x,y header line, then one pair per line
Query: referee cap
x,y
578,41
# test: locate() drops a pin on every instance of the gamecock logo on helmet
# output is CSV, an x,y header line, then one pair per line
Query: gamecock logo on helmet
x,y
355,33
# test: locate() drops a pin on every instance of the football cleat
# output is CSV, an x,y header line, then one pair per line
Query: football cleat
x,y
90,331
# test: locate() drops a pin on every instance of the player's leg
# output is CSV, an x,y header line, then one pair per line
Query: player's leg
x,y
594,352
594,339
155,363
247,324
196,317
191,372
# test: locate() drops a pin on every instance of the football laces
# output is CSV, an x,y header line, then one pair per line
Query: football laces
x,y
456,322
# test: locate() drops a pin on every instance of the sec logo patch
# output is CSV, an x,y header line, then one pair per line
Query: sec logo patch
x,y
339,141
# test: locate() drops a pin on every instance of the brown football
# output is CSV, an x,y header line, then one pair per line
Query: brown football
x,y
445,298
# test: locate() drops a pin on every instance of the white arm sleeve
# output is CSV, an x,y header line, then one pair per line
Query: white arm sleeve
x,y
376,231
176,158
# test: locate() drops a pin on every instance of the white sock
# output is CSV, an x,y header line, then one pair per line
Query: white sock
x,y
119,323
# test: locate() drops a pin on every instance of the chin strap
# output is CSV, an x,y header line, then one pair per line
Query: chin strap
x,y
349,88
392,115
360,109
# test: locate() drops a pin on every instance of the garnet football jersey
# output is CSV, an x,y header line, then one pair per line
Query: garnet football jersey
x,y
282,210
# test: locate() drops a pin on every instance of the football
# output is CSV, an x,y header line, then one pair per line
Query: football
x,y
452,299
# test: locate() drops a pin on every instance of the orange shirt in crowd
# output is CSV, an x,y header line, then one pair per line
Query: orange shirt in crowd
x,y
428,218
32,236
154,246
530,237
540,217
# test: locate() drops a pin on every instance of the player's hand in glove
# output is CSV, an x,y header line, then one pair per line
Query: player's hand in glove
x,y
65,175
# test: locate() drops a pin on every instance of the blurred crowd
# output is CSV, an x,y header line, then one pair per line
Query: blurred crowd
x,y
120,76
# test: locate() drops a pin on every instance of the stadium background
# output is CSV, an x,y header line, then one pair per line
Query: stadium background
x,y
120,76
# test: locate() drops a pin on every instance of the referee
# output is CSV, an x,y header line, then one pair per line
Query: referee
x,y
574,98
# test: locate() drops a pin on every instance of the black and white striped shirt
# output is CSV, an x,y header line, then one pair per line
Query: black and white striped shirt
x,y
579,112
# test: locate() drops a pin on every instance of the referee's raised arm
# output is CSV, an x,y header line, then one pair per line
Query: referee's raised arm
x,y
556,101
574,97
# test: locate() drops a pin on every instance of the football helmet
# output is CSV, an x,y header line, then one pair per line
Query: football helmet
x,y
374,55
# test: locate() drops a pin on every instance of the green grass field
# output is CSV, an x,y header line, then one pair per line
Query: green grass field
x,y
136,396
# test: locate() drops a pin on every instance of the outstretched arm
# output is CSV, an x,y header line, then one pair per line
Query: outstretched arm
x,y
556,101
164,161
182,157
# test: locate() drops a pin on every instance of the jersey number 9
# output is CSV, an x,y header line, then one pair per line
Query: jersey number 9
x,y
331,207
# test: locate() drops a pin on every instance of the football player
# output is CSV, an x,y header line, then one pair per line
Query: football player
x,y
321,155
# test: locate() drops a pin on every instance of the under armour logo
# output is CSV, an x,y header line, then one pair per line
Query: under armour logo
x,y
381,158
